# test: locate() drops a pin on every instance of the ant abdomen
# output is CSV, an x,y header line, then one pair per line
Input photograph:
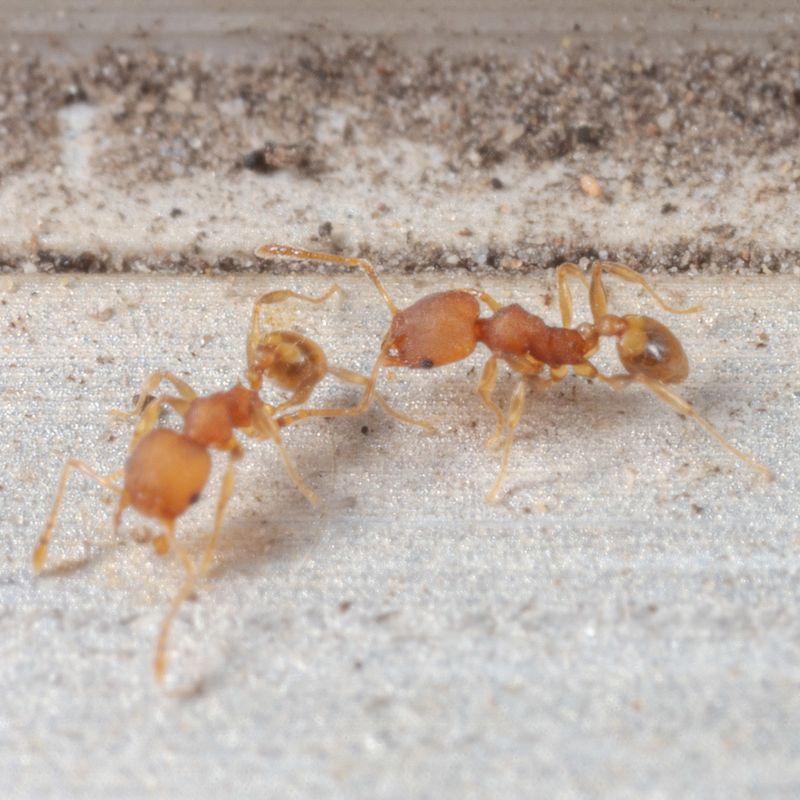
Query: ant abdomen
x,y
164,474
650,349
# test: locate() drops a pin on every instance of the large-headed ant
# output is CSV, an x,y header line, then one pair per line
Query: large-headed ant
x,y
445,327
166,470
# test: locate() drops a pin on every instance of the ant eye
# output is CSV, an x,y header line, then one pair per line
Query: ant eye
x,y
194,498
426,363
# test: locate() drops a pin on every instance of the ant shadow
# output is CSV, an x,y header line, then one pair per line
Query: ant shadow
x,y
71,566
283,536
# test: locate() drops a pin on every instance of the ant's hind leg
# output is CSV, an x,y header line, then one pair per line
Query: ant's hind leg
x,y
184,593
599,299
287,251
224,496
515,408
485,389
106,481
687,409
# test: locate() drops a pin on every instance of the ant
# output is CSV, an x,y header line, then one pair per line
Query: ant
x,y
166,470
445,327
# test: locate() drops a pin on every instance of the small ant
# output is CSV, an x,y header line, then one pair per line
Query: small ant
x,y
445,327
166,470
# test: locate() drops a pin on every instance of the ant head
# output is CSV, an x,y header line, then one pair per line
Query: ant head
x,y
648,348
287,359
262,360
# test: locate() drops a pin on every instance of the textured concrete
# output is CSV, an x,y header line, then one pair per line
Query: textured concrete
x,y
243,29
135,159
623,623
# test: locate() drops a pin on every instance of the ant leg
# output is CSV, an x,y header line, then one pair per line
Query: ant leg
x,y
224,496
267,427
400,417
685,408
353,411
106,481
529,370
616,382
287,251
599,299
688,410
362,380
564,271
184,593
184,390
494,305
485,389
514,415
302,392
149,418
282,295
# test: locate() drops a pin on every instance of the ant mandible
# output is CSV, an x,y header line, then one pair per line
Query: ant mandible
x,y
445,327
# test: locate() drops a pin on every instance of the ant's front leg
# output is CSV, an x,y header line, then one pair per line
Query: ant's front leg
x,y
106,481
146,394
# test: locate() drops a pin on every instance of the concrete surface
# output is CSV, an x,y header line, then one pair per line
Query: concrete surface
x,y
135,158
623,623
243,29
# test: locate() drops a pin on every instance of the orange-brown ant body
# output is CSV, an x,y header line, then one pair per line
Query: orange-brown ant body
x,y
166,470
445,327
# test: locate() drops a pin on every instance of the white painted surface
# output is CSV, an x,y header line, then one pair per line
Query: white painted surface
x,y
622,623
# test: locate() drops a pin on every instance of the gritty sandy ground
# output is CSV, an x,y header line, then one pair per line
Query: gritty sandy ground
x,y
686,160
